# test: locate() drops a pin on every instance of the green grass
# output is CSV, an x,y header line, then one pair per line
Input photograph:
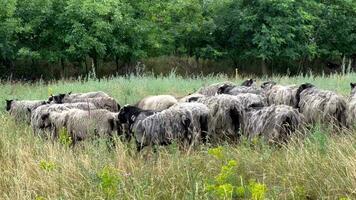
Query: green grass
x,y
320,166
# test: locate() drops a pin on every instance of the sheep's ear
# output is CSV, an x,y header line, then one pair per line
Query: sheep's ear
x,y
353,85
70,93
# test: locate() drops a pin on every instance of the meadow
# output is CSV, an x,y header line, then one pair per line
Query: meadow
x,y
321,165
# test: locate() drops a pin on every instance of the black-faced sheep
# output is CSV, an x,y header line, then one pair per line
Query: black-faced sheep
x,y
66,98
224,116
321,105
82,124
274,123
21,110
157,103
279,94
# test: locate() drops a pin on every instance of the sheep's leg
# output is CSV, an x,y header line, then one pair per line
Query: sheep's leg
x,y
204,129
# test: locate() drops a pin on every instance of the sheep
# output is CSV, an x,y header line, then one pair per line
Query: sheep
x,y
200,114
274,123
248,83
321,105
66,98
157,103
107,103
248,99
40,116
223,116
211,90
21,110
163,127
351,106
128,115
82,124
191,97
279,94
235,90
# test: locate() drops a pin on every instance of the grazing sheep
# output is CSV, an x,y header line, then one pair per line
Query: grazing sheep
x,y
248,99
279,94
235,90
157,103
224,116
21,110
107,103
67,98
82,124
163,127
351,106
212,90
40,116
129,115
274,123
191,98
321,105
200,114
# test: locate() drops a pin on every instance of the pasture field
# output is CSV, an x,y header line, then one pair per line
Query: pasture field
x,y
320,166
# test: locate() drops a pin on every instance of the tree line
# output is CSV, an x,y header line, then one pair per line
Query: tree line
x,y
125,31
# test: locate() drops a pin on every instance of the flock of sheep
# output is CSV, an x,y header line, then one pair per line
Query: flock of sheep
x,y
219,112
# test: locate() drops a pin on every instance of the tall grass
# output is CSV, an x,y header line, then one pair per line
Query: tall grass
x,y
320,166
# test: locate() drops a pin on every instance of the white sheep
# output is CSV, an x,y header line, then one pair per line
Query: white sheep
x,y
157,103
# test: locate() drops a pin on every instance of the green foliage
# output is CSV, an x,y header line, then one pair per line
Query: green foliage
x,y
109,181
64,137
47,166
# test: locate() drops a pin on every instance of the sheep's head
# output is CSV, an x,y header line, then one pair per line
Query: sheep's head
x,y
224,89
301,88
268,85
248,82
57,98
353,88
44,122
128,114
8,104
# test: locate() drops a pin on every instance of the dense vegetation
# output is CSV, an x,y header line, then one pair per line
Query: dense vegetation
x,y
269,32
319,166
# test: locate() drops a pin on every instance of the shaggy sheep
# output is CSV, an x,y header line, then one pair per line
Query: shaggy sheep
x,y
21,110
321,105
191,98
157,103
351,106
248,99
107,103
280,95
211,90
274,123
82,124
163,127
224,116
40,116
235,90
200,114
66,98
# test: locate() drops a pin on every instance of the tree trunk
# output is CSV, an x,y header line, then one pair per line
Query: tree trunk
x,y
264,67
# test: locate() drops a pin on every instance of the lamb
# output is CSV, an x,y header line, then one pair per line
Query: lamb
x,y
157,103
274,123
40,120
321,105
163,127
21,110
351,106
66,98
107,103
212,90
224,116
280,95
83,124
